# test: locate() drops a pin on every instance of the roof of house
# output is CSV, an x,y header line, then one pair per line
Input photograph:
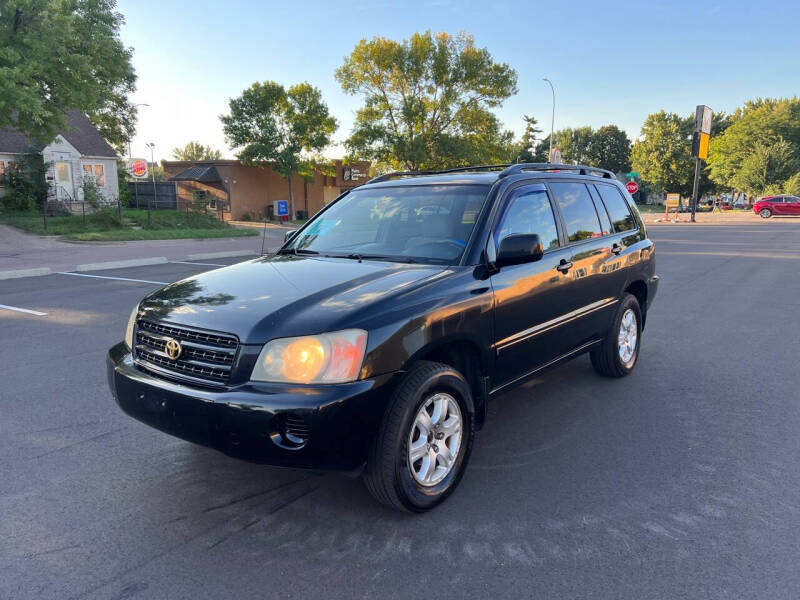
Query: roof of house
x,y
201,173
79,132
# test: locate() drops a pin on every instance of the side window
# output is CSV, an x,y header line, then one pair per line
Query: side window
x,y
617,207
577,210
605,223
529,211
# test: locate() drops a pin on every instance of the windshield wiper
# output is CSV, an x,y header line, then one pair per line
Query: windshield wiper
x,y
296,251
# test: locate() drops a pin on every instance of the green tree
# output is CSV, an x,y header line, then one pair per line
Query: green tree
x,y
766,168
575,144
610,149
792,185
760,124
663,155
57,55
427,101
194,151
274,125
528,142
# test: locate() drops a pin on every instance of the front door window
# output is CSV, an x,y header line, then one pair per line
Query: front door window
x,y
64,179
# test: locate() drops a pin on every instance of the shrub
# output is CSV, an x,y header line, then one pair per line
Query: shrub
x,y
91,195
246,216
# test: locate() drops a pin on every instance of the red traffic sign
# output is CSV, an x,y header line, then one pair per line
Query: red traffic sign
x,y
632,187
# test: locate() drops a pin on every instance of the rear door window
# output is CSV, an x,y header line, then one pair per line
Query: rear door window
x,y
577,210
618,209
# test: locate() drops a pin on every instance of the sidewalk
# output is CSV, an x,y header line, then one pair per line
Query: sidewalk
x,y
707,217
25,255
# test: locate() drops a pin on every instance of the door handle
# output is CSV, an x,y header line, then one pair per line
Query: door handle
x,y
616,248
564,266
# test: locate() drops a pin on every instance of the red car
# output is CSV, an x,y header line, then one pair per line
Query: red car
x,y
777,205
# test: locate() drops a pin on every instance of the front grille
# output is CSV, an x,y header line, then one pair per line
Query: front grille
x,y
206,357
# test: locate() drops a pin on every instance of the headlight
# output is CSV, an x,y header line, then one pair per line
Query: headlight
x,y
327,358
129,328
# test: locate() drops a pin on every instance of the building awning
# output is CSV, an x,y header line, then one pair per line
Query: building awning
x,y
201,173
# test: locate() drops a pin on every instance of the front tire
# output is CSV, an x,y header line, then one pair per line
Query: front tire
x,y
618,352
765,213
425,439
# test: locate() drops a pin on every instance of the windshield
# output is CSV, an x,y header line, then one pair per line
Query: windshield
x,y
430,223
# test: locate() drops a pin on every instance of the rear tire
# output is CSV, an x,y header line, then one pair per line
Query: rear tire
x,y
765,213
396,474
617,354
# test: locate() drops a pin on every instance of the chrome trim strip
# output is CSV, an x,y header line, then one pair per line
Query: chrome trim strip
x,y
553,323
565,356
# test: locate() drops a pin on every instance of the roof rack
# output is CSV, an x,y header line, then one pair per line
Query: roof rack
x,y
393,175
582,169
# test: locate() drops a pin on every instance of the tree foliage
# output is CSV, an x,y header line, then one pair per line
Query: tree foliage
x,y
57,55
274,125
610,149
194,151
663,155
427,101
766,168
527,152
763,134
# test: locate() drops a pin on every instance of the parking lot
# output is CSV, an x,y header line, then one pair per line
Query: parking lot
x,y
680,481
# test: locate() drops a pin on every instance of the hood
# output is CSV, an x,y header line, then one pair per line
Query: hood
x,y
282,296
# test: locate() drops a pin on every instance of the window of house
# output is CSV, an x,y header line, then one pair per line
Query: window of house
x,y
95,174
529,211
2,171
577,210
617,207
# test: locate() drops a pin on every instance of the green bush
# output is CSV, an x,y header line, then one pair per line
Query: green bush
x,y
91,195
246,216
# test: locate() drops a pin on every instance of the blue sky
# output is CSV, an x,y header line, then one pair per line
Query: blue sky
x,y
610,62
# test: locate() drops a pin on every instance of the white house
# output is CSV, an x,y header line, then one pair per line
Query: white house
x,y
77,153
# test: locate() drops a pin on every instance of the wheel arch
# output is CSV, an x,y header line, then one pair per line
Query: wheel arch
x,y
638,289
466,357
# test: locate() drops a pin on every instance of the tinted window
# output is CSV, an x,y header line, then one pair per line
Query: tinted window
x,y
617,207
529,211
577,210
792,199
605,223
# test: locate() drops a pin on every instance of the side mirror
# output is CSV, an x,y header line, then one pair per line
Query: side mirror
x,y
519,248
289,234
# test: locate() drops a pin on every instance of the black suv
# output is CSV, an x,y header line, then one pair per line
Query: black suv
x,y
373,339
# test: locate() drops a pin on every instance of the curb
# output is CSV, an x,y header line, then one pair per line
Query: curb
x,y
25,273
231,254
120,264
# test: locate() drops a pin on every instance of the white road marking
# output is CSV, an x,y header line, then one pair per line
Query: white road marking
x,y
24,310
183,262
115,278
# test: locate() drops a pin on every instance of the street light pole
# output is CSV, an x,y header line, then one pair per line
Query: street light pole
x,y
151,145
552,119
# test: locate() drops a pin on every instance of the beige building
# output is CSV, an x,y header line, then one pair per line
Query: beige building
x,y
248,191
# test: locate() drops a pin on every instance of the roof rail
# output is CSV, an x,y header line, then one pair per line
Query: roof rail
x,y
388,176
582,169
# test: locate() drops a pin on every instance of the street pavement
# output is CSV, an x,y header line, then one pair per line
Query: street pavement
x,y
22,252
679,481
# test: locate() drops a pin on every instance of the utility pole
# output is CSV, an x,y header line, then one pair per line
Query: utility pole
x,y
151,145
700,139
552,118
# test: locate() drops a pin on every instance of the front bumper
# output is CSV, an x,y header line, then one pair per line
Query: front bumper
x,y
247,421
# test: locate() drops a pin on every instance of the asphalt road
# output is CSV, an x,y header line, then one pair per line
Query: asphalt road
x,y
680,481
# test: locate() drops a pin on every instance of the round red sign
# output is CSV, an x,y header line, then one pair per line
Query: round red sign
x,y
139,168
632,187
